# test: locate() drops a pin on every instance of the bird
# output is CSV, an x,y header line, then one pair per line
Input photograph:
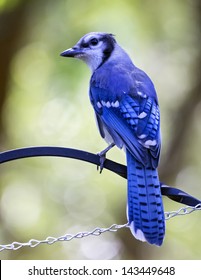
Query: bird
x,y
128,116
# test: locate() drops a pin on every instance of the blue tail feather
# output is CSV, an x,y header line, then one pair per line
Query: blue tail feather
x,y
145,206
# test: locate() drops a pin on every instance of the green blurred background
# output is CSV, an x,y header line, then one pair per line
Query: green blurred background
x,y
44,101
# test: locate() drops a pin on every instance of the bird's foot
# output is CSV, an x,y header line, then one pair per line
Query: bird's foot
x,y
102,156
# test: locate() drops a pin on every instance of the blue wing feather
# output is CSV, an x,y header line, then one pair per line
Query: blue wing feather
x,y
141,136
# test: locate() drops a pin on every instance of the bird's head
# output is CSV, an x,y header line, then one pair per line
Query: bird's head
x,y
93,48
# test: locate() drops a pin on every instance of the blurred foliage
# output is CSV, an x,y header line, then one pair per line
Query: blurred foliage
x,y
46,103
8,4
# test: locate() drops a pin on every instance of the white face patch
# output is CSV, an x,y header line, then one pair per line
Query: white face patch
x,y
92,55
142,115
93,58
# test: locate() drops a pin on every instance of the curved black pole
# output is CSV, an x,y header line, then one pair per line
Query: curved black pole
x,y
62,152
173,193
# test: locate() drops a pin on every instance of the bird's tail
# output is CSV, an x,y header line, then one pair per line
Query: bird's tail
x,y
145,207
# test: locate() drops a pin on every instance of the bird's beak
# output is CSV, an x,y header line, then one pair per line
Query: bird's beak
x,y
72,52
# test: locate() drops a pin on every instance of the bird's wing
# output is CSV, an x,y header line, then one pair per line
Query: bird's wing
x,y
132,120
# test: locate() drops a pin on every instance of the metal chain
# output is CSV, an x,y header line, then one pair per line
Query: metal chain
x,y
67,237
182,211
96,232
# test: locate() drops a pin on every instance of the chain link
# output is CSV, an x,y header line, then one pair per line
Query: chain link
x,y
96,232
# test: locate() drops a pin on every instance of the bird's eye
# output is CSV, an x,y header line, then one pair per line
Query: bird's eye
x,y
94,42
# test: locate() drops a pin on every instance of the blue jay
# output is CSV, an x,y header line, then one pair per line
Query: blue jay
x,y
127,112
